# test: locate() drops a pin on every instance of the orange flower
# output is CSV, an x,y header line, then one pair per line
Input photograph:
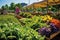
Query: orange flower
x,y
56,22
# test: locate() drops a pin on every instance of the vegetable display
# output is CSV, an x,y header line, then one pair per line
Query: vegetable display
x,y
11,29
34,28
26,14
17,32
34,22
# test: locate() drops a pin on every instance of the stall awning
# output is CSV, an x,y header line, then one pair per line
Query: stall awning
x,y
44,3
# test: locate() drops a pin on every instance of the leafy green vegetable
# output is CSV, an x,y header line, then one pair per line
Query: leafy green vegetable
x,y
11,29
34,22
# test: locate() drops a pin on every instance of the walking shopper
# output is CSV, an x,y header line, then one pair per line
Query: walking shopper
x,y
17,10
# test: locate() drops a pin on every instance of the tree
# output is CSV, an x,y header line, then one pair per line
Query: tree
x,y
12,6
6,7
3,7
19,5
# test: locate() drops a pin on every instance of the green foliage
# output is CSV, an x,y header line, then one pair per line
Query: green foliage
x,y
8,18
6,7
39,9
34,22
11,29
19,5
2,7
18,32
56,16
12,6
25,14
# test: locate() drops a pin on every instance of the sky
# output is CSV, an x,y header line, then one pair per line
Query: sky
x,y
3,2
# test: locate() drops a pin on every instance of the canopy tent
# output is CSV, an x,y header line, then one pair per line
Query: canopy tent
x,y
44,3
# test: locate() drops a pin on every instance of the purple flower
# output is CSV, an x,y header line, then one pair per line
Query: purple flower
x,y
53,28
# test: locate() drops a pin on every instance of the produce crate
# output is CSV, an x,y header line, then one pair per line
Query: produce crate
x,y
53,35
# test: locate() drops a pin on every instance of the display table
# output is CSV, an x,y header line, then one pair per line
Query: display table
x,y
53,35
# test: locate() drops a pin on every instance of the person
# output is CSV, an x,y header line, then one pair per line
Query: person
x,y
17,10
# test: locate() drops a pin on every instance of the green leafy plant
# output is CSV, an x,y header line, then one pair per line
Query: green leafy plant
x,y
34,22
11,29
25,14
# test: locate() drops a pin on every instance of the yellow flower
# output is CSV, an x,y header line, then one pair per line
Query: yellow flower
x,y
44,19
50,18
